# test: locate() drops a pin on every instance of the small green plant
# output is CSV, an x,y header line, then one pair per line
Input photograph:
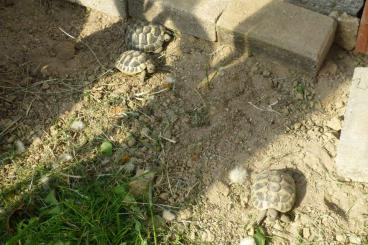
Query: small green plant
x,y
300,88
260,235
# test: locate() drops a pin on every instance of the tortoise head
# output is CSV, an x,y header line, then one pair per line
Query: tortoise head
x,y
150,66
167,37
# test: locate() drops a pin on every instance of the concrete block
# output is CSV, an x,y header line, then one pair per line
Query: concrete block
x,y
347,30
351,7
194,17
352,152
110,7
238,19
293,35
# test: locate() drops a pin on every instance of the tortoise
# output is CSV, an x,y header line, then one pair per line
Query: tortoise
x,y
273,192
147,37
133,62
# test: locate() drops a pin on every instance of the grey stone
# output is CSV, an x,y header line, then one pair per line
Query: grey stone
x,y
347,30
194,17
351,7
288,33
111,7
294,36
352,153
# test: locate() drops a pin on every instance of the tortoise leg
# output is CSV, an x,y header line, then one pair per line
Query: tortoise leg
x,y
272,214
261,217
142,76
159,50
285,218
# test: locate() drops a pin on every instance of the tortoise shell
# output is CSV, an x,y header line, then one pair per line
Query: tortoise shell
x,y
132,62
146,37
274,189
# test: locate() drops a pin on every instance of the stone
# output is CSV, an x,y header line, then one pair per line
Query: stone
x,y
334,123
340,238
354,239
259,26
116,8
278,36
168,215
347,30
351,7
352,152
306,233
194,17
248,241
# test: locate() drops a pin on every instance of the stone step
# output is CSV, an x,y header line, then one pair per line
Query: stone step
x,y
194,17
293,35
352,152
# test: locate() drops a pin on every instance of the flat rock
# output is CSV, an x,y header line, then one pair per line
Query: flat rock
x,y
273,29
352,152
194,17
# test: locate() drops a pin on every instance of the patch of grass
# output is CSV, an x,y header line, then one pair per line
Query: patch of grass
x,y
95,211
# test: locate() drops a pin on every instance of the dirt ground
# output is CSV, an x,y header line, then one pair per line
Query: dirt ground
x,y
223,110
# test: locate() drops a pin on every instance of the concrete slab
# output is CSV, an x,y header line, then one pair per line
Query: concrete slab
x,y
280,30
111,7
352,152
194,17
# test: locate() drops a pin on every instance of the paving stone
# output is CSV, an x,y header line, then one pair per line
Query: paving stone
x,y
352,153
351,7
110,7
238,19
194,17
347,30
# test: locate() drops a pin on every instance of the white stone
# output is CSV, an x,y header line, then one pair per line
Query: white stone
x,y
248,241
168,215
352,153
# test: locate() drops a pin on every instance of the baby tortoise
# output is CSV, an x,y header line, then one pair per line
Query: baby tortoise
x,y
273,192
147,37
133,62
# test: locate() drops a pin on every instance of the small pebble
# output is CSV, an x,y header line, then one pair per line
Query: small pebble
x,y
248,241
19,146
131,141
354,239
168,215
340,238
77,125
306,233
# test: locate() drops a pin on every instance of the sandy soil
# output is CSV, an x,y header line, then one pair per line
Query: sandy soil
x,y
225,110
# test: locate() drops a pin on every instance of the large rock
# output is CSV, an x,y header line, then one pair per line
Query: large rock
x,y
347,30
288,33
352,153
194,17
351,7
